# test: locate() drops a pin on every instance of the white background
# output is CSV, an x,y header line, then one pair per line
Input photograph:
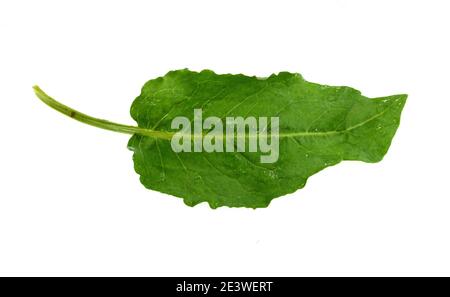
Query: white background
x,y
71,203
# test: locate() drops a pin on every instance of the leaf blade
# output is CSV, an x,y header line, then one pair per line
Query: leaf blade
x,y
319,126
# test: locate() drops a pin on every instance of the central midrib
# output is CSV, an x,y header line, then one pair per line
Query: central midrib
x,y
170,134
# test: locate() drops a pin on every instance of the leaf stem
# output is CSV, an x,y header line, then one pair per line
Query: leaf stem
x,y
96,122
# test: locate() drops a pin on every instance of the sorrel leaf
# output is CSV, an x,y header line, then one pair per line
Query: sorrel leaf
x,y
319,126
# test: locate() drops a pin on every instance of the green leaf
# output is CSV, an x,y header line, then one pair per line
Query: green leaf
x,y
319,126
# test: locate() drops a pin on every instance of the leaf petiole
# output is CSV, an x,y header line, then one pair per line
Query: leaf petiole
x,y
96,122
